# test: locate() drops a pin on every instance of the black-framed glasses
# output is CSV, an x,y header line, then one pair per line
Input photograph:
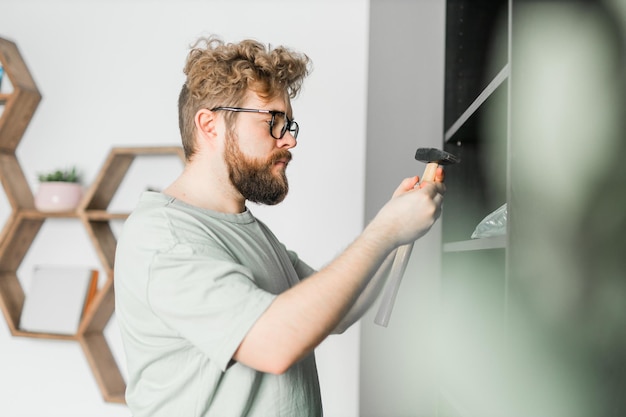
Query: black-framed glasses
x,y
279,125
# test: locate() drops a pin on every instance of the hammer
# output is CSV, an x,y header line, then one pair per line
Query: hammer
x,y
433,158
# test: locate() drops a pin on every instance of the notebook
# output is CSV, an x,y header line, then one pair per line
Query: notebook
x,y
58,298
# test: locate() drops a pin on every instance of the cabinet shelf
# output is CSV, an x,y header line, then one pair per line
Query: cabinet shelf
x,y
501,77
477,186
495,242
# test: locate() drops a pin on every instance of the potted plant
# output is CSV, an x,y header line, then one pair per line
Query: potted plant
x,y
59,190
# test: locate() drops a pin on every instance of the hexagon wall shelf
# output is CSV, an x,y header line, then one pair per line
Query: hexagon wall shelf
x,y
25,221
94,215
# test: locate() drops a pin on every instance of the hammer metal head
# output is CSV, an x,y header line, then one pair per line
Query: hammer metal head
x,y
429,155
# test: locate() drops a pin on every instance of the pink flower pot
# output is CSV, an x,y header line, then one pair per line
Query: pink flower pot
x,y
58,196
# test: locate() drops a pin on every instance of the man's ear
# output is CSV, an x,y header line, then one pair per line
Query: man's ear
x,y
206,124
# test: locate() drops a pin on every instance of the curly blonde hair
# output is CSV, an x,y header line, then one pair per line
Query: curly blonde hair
x,y
220,74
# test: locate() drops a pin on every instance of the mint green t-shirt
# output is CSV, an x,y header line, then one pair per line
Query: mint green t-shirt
x,y
189,284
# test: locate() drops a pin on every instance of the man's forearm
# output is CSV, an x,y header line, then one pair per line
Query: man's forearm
x,y
301,317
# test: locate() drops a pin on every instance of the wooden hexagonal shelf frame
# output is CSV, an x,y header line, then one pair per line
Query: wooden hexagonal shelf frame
x,y
96,219
19,106
25,221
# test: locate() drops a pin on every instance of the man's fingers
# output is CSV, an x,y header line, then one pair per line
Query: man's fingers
x,y
407,184
439,174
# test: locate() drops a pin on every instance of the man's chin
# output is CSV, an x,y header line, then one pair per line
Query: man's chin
x,y
269,201
269,195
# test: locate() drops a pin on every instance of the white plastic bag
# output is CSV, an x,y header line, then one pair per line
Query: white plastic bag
x,y
494,224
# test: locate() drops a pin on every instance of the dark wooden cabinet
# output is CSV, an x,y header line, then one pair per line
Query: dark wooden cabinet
x,y
474,282
532,320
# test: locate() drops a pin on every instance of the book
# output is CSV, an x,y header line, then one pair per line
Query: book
x,y
58,298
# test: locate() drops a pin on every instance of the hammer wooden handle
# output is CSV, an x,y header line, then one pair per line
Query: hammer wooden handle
x,y
403,253
429,172
401,260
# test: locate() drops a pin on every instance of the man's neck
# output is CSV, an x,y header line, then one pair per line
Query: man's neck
x,y
206,189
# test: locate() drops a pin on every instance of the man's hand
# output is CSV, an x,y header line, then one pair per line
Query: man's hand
x,y
412,210
409,183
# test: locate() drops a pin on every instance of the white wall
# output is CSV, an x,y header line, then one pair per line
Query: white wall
x,y
110,72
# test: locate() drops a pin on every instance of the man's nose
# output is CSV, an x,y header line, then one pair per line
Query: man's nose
x,y
287,141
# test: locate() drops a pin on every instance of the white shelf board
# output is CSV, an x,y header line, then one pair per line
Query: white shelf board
x,y
495,242
502,76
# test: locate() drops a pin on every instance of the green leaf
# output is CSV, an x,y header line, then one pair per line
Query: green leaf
x,y
66,175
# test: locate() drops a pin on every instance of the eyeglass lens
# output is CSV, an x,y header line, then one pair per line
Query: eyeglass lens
x,y
281,124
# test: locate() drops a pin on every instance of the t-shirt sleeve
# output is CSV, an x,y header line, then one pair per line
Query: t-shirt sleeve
x,y
208,299
302,268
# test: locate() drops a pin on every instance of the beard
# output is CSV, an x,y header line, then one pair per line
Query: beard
x,y
253,178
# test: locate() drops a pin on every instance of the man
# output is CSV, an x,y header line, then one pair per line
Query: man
x,y
216,315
